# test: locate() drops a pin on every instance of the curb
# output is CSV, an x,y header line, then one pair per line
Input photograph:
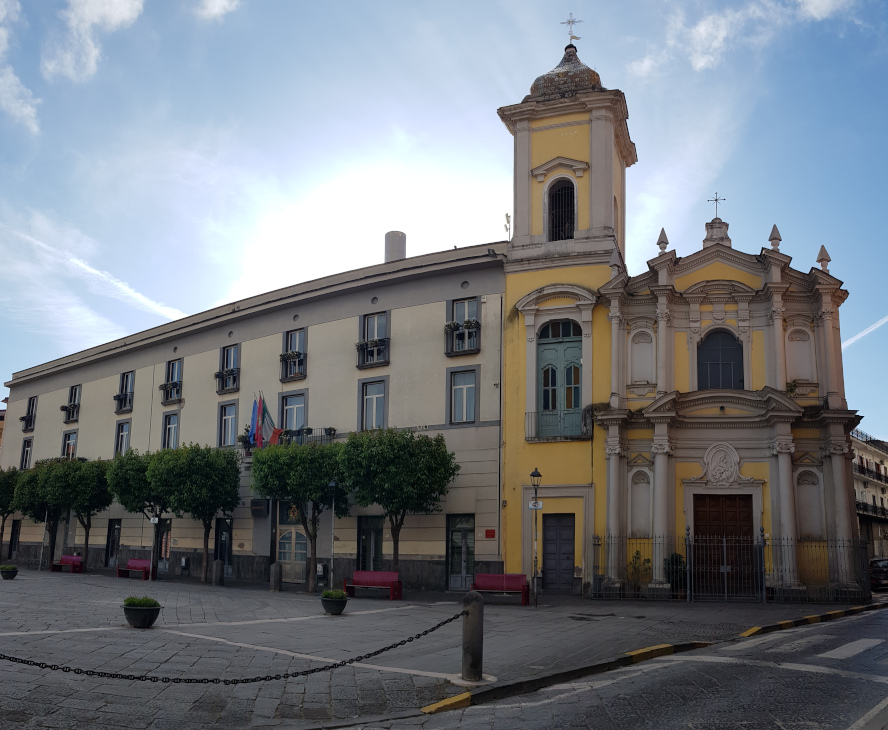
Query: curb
x,y
815,619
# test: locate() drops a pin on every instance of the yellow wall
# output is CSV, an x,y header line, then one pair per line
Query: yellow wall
x,y
546,144
717,270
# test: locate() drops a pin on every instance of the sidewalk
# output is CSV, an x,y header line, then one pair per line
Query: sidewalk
x,y
230,633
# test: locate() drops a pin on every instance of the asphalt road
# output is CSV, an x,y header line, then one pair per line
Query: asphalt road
x,y
823,676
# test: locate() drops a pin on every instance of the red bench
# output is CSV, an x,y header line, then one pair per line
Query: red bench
x,y
374,579
503,583
135,565
75,562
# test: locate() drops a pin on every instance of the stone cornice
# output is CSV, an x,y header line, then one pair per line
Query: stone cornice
x,y
766,407
578,167
533,300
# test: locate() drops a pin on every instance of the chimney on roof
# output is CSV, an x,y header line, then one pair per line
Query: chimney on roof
x,y
395,246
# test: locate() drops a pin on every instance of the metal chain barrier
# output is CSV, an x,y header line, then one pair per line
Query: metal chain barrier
x,y
216,680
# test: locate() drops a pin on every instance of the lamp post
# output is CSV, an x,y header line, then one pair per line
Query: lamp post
x,y
535,479
332,487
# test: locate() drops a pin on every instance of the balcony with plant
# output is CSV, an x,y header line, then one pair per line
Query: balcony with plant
x,y
293,366
373,353
123,402
71,411
462,338
171,393
227,381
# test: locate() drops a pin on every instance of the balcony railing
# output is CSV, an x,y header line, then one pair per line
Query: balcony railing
x,y
869,473
554,425
373,353
123,402
293,366
865,508
227,381
461,340
308,435
71,411
870,440
170,392
28,422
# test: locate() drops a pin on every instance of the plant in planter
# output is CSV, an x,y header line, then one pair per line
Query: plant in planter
x,y
675,569
471,324
142,612
638,571
8,572
334,600
451,326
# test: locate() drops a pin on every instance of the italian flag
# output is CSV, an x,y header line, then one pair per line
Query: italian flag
x,y
266,433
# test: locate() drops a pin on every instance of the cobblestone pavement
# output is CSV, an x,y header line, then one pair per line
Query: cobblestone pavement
x,y
237,632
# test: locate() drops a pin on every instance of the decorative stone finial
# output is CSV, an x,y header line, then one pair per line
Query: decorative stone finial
x,y
716,232
662,241
823,259
616,263
775,238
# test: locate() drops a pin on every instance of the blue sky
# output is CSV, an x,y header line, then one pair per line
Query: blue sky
x,y
158,158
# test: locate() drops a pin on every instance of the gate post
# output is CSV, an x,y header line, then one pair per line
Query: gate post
x,y
473,637
689,551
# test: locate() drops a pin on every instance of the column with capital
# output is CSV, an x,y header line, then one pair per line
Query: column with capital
x,y
663,317
615,450
616,319
828,342
661,448
837,451
783,448
777,311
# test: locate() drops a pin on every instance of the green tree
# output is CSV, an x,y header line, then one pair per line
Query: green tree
x,y
400,471
301,475
8,480
42,494
88,494
202,481
128,479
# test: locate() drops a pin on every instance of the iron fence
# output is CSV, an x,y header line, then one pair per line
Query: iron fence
x,y
728,568
555,424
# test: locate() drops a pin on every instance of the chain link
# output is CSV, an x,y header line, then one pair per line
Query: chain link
x,y
216,680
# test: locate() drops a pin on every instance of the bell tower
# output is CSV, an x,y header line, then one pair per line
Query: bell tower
x,y
572,148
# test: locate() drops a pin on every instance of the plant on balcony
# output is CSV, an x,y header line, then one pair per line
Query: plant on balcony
x,y
362,344
471,324
452,326
244,439
330,431
291,355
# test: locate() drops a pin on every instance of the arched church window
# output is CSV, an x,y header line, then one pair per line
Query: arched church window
x,y
561,211
720,362
559,354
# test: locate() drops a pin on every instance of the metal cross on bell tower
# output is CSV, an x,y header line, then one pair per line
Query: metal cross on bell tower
x,y
716,200
570,23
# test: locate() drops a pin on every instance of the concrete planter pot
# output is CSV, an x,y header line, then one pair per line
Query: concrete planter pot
x,y
141,618
333,606
8,574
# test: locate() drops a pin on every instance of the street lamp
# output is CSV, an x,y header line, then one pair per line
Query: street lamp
x,y
332,487
535,479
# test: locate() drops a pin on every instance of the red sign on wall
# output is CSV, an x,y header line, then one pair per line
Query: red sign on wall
x,y
489,534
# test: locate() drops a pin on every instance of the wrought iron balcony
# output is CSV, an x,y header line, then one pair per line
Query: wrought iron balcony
x,y
227,381
555,425
71,411
170,392
123,402
293,366
28,422
309,435
865,508
460,339
373,353
869,473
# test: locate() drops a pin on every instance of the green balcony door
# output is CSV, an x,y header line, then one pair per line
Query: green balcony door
x,y
559,372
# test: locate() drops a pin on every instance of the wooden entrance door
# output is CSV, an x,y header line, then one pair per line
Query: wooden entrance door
x,y
724,546
558,553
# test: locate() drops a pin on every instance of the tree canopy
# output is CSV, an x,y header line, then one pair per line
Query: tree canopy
x,y
42,494
8,480
402,472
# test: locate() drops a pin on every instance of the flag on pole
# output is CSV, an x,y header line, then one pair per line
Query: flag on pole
x,y
254,421
269,433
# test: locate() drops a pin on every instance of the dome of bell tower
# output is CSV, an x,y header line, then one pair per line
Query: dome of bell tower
x,y
566,79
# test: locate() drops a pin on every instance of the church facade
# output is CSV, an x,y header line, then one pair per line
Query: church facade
x,y
685,424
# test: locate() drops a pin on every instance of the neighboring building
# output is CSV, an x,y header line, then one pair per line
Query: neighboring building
x,y
693,412
2,424
715,379
871,490
194,380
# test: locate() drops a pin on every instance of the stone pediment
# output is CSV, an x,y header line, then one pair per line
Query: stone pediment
x,y
719,286
724,408
640,460
539,297
578,167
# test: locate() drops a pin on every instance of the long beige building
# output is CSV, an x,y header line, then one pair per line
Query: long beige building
x,y
362,349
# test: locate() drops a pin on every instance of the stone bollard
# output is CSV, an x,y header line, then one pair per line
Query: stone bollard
x,y
218,573
473,637
276,577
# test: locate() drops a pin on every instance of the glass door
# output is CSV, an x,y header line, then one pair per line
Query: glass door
x,y
292,555
112,545
222,549
460,552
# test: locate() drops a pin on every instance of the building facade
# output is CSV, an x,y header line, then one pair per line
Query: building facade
x,y
697,404
871,490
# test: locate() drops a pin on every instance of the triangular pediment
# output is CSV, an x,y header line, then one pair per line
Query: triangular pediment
x,y
577,166
640,460
724,408
806,458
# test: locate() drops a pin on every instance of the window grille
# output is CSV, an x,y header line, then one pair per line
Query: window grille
x,y
561,211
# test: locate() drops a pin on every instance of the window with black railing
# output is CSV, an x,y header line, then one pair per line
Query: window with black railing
x,y
123,402
30,417
71,411
869,473
308,435
561,211
866,508
228,380
171,388
293,366
462,338
373,353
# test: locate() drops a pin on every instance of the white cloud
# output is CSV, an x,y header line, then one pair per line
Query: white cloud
x,y
76,56
822,9
15,98
215,9
863,333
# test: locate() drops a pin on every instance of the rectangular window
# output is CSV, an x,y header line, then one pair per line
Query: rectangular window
x,y
293,412
27,447
374,406
373,350
463,329
74,395
69,445
124,397
375,326
228,377
293,357
30,417
462,397
173,384
171,431
228,424
72,409
122,441
32,405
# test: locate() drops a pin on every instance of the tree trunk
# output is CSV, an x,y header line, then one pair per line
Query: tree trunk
x,y
312,563
53,527
396,526
206,552
86,527
2,531
155,553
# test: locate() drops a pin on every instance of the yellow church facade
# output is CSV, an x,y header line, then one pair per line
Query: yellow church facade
x,y
693,415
